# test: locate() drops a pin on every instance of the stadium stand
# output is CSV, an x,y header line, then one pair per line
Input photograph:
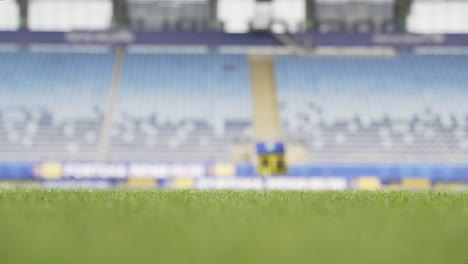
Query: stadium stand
x,y
181,107
188,107
376,110
52,104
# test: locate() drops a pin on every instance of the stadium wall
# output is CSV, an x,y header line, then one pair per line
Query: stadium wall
x,y
232,176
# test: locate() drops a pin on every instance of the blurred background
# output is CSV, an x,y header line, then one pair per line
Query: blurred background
x,y
234,94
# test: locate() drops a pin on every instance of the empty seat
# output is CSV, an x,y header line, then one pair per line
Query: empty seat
x,y
181,107
52,104
392,109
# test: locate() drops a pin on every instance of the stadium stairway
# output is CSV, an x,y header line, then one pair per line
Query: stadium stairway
x,y
266,119
103,150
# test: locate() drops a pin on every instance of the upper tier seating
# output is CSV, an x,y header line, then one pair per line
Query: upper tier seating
x,y
392,109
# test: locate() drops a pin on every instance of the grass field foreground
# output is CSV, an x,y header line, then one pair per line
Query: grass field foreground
x,y
47,226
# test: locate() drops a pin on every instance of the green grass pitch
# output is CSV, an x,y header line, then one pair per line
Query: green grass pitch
x,y
41,226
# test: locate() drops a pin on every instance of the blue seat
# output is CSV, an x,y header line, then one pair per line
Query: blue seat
x,y
181,107
376,109
52,104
